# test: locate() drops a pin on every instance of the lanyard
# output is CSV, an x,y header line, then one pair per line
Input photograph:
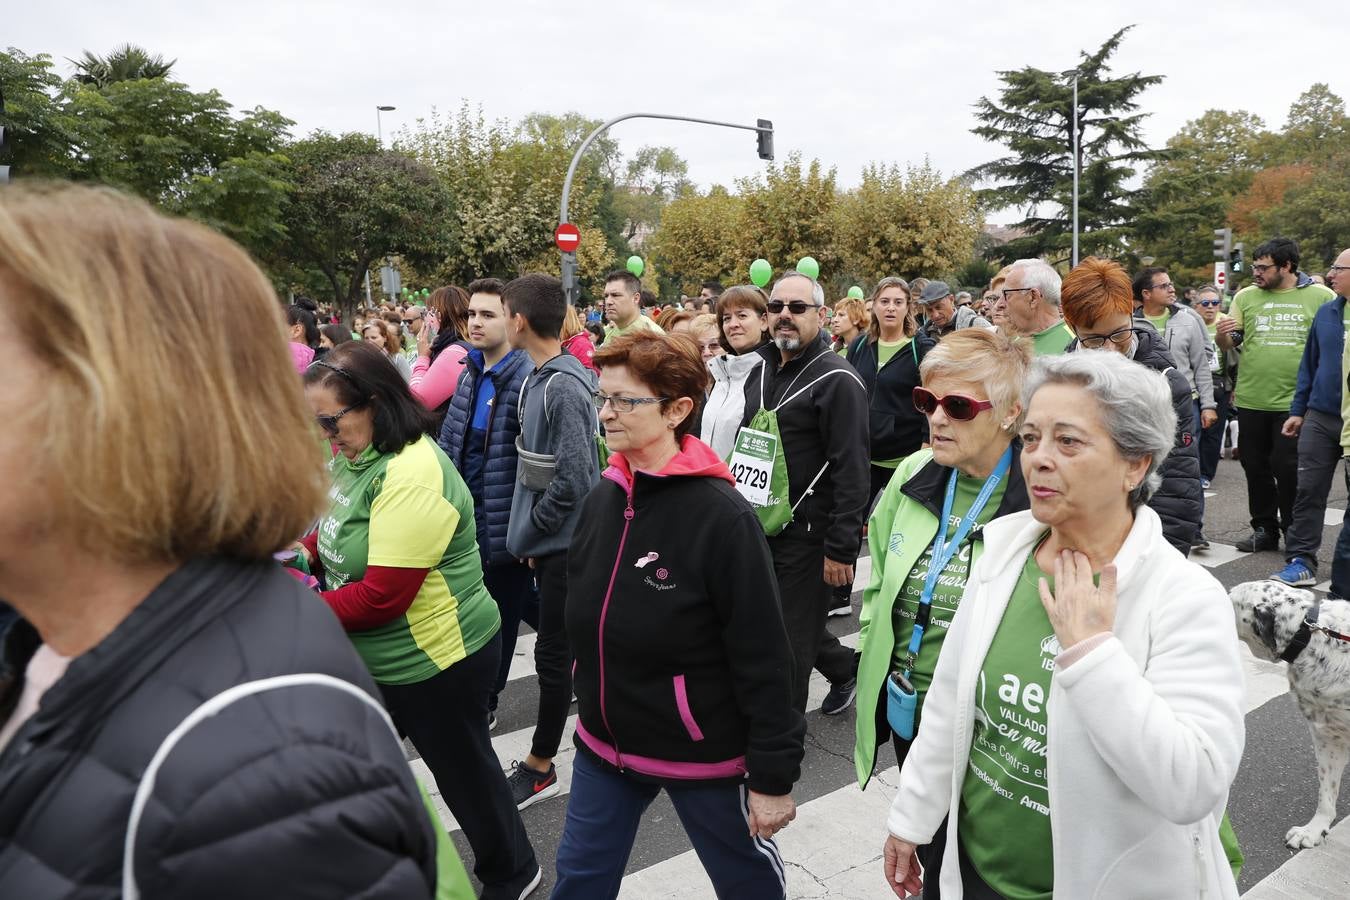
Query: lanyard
x,y
943,549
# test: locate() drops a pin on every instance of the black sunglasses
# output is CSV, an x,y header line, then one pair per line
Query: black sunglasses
x,y
796,307
1208,302
330,423
957,406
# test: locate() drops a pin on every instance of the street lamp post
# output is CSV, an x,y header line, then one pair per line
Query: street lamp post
x,y
1076,165
763,128
379,126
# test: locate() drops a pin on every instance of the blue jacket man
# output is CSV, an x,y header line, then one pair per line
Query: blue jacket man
x,y
1315,419
479,435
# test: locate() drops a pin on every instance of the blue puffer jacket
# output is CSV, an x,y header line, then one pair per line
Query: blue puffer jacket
x,y
499,464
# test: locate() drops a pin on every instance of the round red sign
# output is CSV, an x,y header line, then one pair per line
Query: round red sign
x,y
567,237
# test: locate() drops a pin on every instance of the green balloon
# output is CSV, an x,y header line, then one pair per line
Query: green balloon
x,y
808,266
855,292
760,272
636,266
426,292
421,301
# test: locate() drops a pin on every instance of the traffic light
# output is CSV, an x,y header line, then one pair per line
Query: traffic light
x,y
1235,259
765,139
1223,244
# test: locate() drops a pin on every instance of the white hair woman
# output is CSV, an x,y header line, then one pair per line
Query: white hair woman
x,y
1084,722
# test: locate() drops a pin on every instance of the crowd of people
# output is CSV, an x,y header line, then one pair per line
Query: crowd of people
x,y
228,598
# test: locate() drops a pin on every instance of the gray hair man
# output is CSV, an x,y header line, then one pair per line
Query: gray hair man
x,y
820,407
944,314
1031,293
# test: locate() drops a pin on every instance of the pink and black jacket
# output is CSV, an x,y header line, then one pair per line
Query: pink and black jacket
x,y
682,662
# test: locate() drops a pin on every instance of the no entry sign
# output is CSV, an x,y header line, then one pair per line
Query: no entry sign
x,y
567,237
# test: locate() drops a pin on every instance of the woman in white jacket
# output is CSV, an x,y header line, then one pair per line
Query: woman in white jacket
x,y
743,319
1079,738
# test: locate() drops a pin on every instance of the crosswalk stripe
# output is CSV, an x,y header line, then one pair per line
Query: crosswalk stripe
x,y
1333,516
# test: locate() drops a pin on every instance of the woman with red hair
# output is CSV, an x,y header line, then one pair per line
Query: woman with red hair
x,y
1098,304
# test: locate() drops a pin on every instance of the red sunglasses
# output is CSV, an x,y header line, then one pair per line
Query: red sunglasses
x,y
957,406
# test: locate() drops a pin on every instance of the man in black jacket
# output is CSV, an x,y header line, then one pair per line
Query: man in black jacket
x,y
822,419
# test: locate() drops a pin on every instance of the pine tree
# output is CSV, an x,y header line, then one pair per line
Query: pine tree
x,y
1033,118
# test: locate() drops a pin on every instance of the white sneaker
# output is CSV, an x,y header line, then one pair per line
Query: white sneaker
x,y
845,610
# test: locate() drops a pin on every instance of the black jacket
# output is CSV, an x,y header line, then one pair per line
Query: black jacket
x,y
897,428
683,670
298,792
827,422
1180,501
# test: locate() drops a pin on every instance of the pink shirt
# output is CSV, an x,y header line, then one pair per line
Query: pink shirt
x,y
434,383
45,668
302,356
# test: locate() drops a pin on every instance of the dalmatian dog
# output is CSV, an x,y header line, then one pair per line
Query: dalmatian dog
x,y
1271,619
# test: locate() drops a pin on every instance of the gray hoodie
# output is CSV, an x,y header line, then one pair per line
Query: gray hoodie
x,y
1186,339
557,418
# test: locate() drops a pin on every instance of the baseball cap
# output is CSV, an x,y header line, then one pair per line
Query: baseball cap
x,y
934,291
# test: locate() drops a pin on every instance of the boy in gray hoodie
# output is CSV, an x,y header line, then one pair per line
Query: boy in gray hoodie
x,y
558,467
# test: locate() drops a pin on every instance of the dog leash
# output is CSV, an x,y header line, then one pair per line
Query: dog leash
x,y
1303,636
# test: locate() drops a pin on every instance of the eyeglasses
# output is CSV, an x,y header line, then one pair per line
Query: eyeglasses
x,y
412,320
622,405
330,423
796,307
1215,302
1007,291
1120,337
1165,286
957,406
1338,269
1261,268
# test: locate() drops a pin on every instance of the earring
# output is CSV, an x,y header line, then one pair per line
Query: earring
x,y
670,425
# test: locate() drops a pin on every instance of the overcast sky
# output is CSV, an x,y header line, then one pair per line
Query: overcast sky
x,y
848,82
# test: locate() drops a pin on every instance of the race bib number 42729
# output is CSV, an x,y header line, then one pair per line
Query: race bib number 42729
x,y
751,464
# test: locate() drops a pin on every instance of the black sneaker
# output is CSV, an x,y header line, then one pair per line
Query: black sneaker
x,y
1199,542
1260,540
529,787
840,697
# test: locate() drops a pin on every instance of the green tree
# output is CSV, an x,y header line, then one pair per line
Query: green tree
x,y
1210,161
1033,117
698,239
40,136
351,204
906,222
653,177
788,213
506,183
125,63
1316,128
1315,212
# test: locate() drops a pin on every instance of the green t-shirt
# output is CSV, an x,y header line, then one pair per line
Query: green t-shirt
x,y
409,509
1004,819
1275,326
1215,356
639,324
1159,323
1052,340
951,585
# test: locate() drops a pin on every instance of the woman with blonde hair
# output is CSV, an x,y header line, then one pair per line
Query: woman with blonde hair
x,y
576,340
850,319
675,319
706,334
136,544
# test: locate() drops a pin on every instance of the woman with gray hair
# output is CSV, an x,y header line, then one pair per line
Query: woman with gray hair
x,y
1084,721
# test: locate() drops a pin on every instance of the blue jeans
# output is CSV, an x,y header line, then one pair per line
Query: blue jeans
x,y
603,812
